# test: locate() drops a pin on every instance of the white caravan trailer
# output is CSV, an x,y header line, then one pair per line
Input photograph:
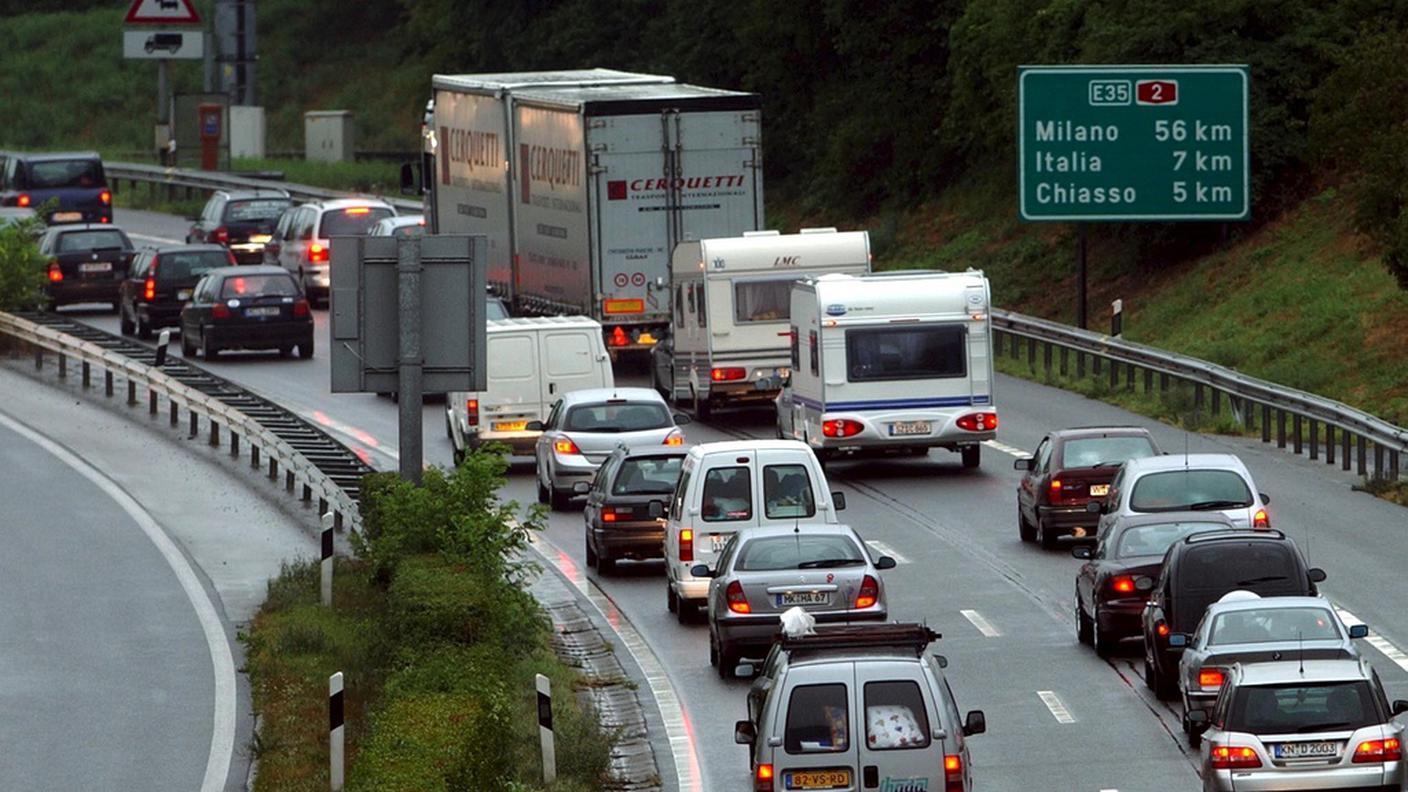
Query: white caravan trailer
x,y
732,298
900,361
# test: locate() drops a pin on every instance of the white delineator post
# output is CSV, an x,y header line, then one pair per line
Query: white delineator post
x,y
545,729
1117,318
335,738
327,560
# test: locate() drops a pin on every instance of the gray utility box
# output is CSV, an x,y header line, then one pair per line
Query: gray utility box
x,y
366,313
328,136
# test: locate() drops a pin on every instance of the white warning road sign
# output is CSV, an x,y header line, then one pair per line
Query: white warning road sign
x,y
162,12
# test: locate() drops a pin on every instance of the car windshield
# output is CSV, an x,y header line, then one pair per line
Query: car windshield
x,y
622,416
1087,452
258,286
1263,625
647,476
494,309
1295,708
1173,490
191,264
905,353
352,221
1153,540
56,174
762,301
799,551
253,210
75,241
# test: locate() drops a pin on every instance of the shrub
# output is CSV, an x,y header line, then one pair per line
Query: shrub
x,y
21,267
433,600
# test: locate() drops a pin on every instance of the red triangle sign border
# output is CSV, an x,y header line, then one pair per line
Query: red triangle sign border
x,y
165,12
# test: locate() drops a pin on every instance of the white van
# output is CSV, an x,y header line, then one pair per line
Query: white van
x,y
532,363
899,360
732,297
730,486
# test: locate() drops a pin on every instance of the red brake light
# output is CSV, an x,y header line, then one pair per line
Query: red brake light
x,y
149,288
953,773
317,253
978,422
1122,584
1386,750
357,210
676,438
1210,678
728,374
1162,629
737,600
1229,757
618,337
564,445
23,200
105,197
104,220
840,427
301,308
220,235
220,311
1261,519
608,514
687,544
762,778
869,593
471,408
1055,490
56,274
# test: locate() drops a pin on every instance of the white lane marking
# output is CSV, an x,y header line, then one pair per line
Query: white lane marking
x,y
677,725
222,738
885,550
980,621
1058,708
1006,449
1398,656
162,240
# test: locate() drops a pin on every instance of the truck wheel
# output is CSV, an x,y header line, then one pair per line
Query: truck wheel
x,y
972,455
702,408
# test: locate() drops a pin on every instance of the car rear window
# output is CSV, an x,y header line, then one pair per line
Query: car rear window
x,y
817,719
1274,624
184,266
906,353
1226,566
1173,490
57,174
1295,708
1154,540
799,551
494,309
624,416
787,492
1103,451
894,716
256,209
762,301
258,286
353,221
75,241
728,494
407,231
647,476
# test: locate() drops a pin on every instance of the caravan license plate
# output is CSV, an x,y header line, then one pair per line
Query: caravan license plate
x,y
1306,750
802,598
510,426
910,428
1099,490
67,217
817,779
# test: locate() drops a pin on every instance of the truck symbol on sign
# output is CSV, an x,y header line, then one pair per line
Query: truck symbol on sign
x,y
171,42
168,5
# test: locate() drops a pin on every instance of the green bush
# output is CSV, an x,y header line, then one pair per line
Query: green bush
x,y
22,268
432,600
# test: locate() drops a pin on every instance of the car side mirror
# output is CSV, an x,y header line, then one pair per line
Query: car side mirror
x,y
681,419
975,723
701,571
1358,631
744,733
744,670
1316,575
1265,499
838,499
1095,507
1177,640
941,660
1197,719
657,509
884,562
581,488
1144,583
1400,706
534,426
1082,551
1022,464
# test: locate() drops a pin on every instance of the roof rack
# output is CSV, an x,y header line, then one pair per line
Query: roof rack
x,y
912,636
1234,533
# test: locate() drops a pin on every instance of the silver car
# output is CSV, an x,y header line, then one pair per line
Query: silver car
x,y
1185,482
1244,627
823,567
1301,724
585,426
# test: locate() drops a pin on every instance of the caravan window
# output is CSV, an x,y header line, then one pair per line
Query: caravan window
x,y
703,314
796,350
762,301
904,353
815,351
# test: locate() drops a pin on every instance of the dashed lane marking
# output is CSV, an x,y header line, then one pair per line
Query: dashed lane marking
x,y
1058,708
980,621
1006,449
885,550
1379,642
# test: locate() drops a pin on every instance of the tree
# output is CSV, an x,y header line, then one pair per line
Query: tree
x,y
22,270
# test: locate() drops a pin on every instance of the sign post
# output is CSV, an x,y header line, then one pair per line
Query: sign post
x,y
145,42
1132,143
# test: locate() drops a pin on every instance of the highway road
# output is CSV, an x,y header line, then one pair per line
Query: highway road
x,y
1059,718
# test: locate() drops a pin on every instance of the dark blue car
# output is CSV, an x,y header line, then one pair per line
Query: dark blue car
x,y
76,180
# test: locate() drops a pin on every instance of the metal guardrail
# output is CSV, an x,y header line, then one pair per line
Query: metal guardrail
x,y
325,468
1311,417
192,180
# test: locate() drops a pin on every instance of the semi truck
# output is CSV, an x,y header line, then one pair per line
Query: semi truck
x,y
585,181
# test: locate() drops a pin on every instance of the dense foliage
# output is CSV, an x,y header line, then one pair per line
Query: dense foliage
x,y
21,266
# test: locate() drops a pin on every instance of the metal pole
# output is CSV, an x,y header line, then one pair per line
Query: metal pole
x,y
1080,276
327,560
163,95
335,736
408,270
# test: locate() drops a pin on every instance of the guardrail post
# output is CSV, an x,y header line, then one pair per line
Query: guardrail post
x,y
1344,449
131,393
87,368
1163,382
1046,356
289,480
1114,375
1015,343
1280,428
1296,435
1080,365
214,434
1314,439
1198,396
1148,381
253,455
38,358
107,382
1065,353
1393,466
195,422
1265,423
273,469
174,418
1216,401
1329,444
1031,354
1129,377
1378,461
1096,364
151,401
63,366
234,444
1363,455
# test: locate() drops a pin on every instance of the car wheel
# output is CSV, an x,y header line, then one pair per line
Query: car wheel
x,y
672,600
188,347
728,660
684,612
1025,529
972,455
542,492
605,564
591,551
713,650
117,306
1156,682
124,325
561,499
1103,640
702,409
1046,540
144,329
1084,633
208,350
285,351
305,348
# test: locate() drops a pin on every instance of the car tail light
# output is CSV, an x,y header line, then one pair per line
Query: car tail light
x,y
357,210
104,219
220,311
1261,519
1063,489
149,288
105,197
737,600
608,514
1161,627
1211,678
953,773
869,593
220,236
301,308
687,544
564,445
1123,584
619,337
317,254
978,422
471,410
1235,757
23,200
841,427
1389,749
762,778
729,374
676,438
56,273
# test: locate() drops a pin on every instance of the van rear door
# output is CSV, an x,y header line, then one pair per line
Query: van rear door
x,y
820,729
514,396
895,735
570,363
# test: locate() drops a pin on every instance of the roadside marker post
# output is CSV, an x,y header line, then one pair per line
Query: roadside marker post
x,y
335,737
545,734
327,521
1116,318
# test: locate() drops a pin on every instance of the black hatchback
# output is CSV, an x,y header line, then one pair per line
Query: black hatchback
x,y
161,282
240,220
247,308
626,504
87,263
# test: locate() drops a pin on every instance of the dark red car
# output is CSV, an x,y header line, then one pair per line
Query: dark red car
x,y
1069,468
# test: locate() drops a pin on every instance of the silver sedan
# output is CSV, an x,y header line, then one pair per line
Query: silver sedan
x,y
762,572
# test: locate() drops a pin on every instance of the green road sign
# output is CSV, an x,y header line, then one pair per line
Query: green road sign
x,y
1133,143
